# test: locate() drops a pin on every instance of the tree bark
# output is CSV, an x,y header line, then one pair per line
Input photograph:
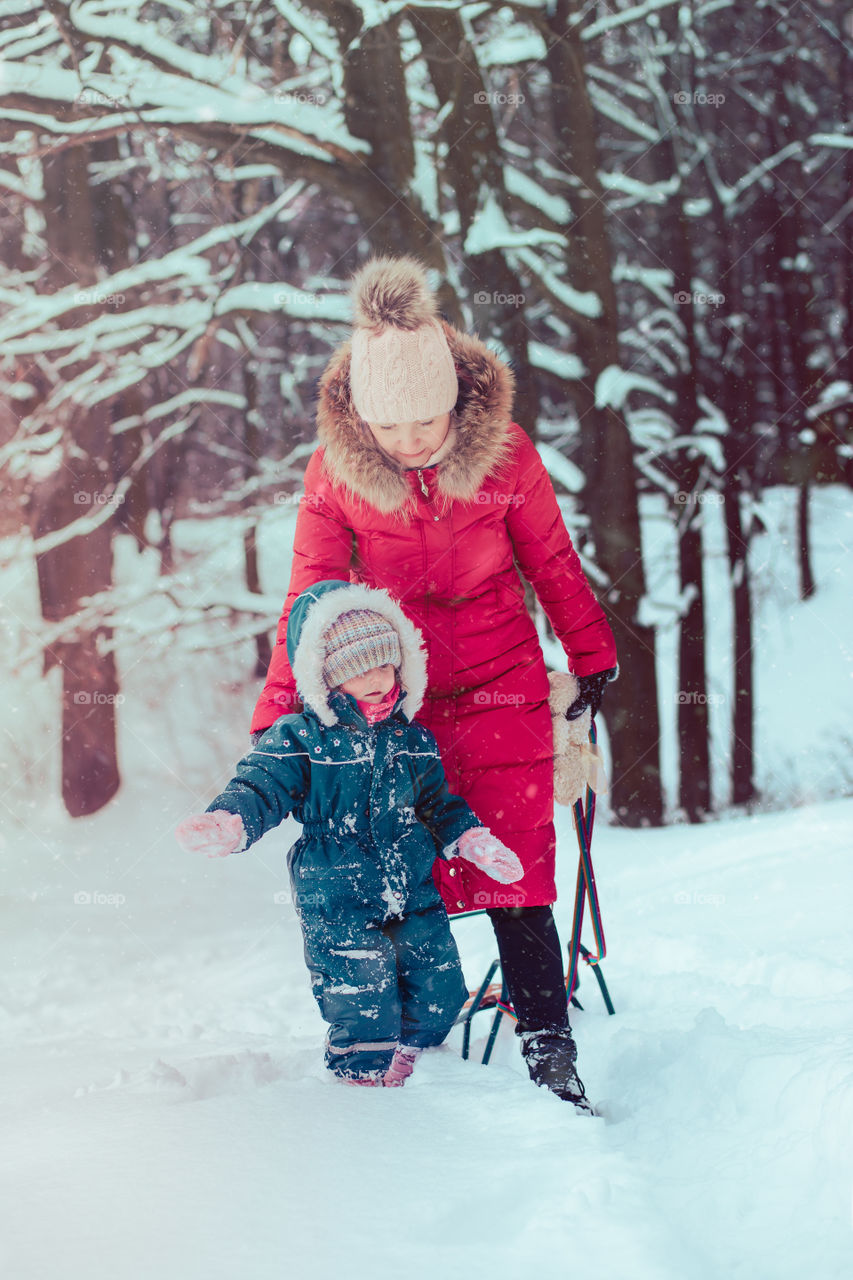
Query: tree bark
x,y
742,726
675,239
263,648
610,495
81,566
471,165
804,549
376,109
736,391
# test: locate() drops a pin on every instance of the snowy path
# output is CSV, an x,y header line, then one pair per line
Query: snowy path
x,y
165,1112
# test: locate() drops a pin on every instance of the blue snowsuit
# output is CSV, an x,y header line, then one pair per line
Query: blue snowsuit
x,y
375,810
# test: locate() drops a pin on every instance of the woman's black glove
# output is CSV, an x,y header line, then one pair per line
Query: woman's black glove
x,y
590,690
256,736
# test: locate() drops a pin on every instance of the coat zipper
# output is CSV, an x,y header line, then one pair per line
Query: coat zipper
x,y
424,489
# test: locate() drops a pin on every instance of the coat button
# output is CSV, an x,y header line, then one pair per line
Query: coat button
x,y
460,904
398,733
453,871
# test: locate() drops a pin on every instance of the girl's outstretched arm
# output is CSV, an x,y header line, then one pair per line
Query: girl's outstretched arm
x,y
267,785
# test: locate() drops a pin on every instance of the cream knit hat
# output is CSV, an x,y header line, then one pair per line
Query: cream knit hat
x,y
401,369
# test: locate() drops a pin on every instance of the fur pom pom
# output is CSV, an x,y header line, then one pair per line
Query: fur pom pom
x,y
392,291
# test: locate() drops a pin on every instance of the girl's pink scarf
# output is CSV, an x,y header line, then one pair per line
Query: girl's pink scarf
x,y
374,711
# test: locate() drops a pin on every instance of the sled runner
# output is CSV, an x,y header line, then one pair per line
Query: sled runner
x,y
492,992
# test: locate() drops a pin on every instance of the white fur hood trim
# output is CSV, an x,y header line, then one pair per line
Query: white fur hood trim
x,y
310,655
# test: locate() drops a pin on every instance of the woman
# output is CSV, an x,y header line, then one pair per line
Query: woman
x,y
423,485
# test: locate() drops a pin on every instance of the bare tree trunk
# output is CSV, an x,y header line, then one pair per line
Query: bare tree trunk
x,y
738,377
610,495
263,648
842,75
376,109
675,238
736,390
807,582
471,165
81,566
795,286
693,727
742,728
113,218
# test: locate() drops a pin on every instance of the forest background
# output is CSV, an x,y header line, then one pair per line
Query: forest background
x,y
644,207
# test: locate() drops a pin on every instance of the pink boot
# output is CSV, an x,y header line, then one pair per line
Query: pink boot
x,y
402,1065
374,1078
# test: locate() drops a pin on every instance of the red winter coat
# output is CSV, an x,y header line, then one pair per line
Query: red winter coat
x,y
449,556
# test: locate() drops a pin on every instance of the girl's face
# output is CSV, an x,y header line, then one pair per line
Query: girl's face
x,y
373,685
411,443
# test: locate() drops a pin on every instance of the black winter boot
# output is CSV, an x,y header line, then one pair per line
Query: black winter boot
x,y
550,1058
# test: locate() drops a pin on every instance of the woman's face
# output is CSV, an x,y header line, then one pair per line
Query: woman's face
x,y
411,443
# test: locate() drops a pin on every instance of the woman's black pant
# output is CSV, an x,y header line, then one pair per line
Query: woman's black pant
x,y
532,965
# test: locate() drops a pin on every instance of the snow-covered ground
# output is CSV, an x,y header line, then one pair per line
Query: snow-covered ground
x,y
163,1104
165,1110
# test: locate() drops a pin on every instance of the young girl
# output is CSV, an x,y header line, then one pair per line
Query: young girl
x,y
368,786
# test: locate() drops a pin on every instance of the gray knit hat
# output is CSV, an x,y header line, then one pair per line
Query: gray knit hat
x,y
357,641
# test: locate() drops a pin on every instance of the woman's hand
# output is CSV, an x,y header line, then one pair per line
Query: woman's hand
x,y
217,834
487,853
590,692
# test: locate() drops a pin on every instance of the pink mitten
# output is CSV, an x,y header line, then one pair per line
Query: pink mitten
x,y
488,854
217,834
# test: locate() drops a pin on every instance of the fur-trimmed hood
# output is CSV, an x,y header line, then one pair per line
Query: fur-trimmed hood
x,y
315,610
355,461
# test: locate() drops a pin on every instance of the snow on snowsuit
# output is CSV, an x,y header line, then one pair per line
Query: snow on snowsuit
x,y
375,810
447,541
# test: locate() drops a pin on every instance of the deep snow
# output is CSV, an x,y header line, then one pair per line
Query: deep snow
x,y
163,1104
165,1110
